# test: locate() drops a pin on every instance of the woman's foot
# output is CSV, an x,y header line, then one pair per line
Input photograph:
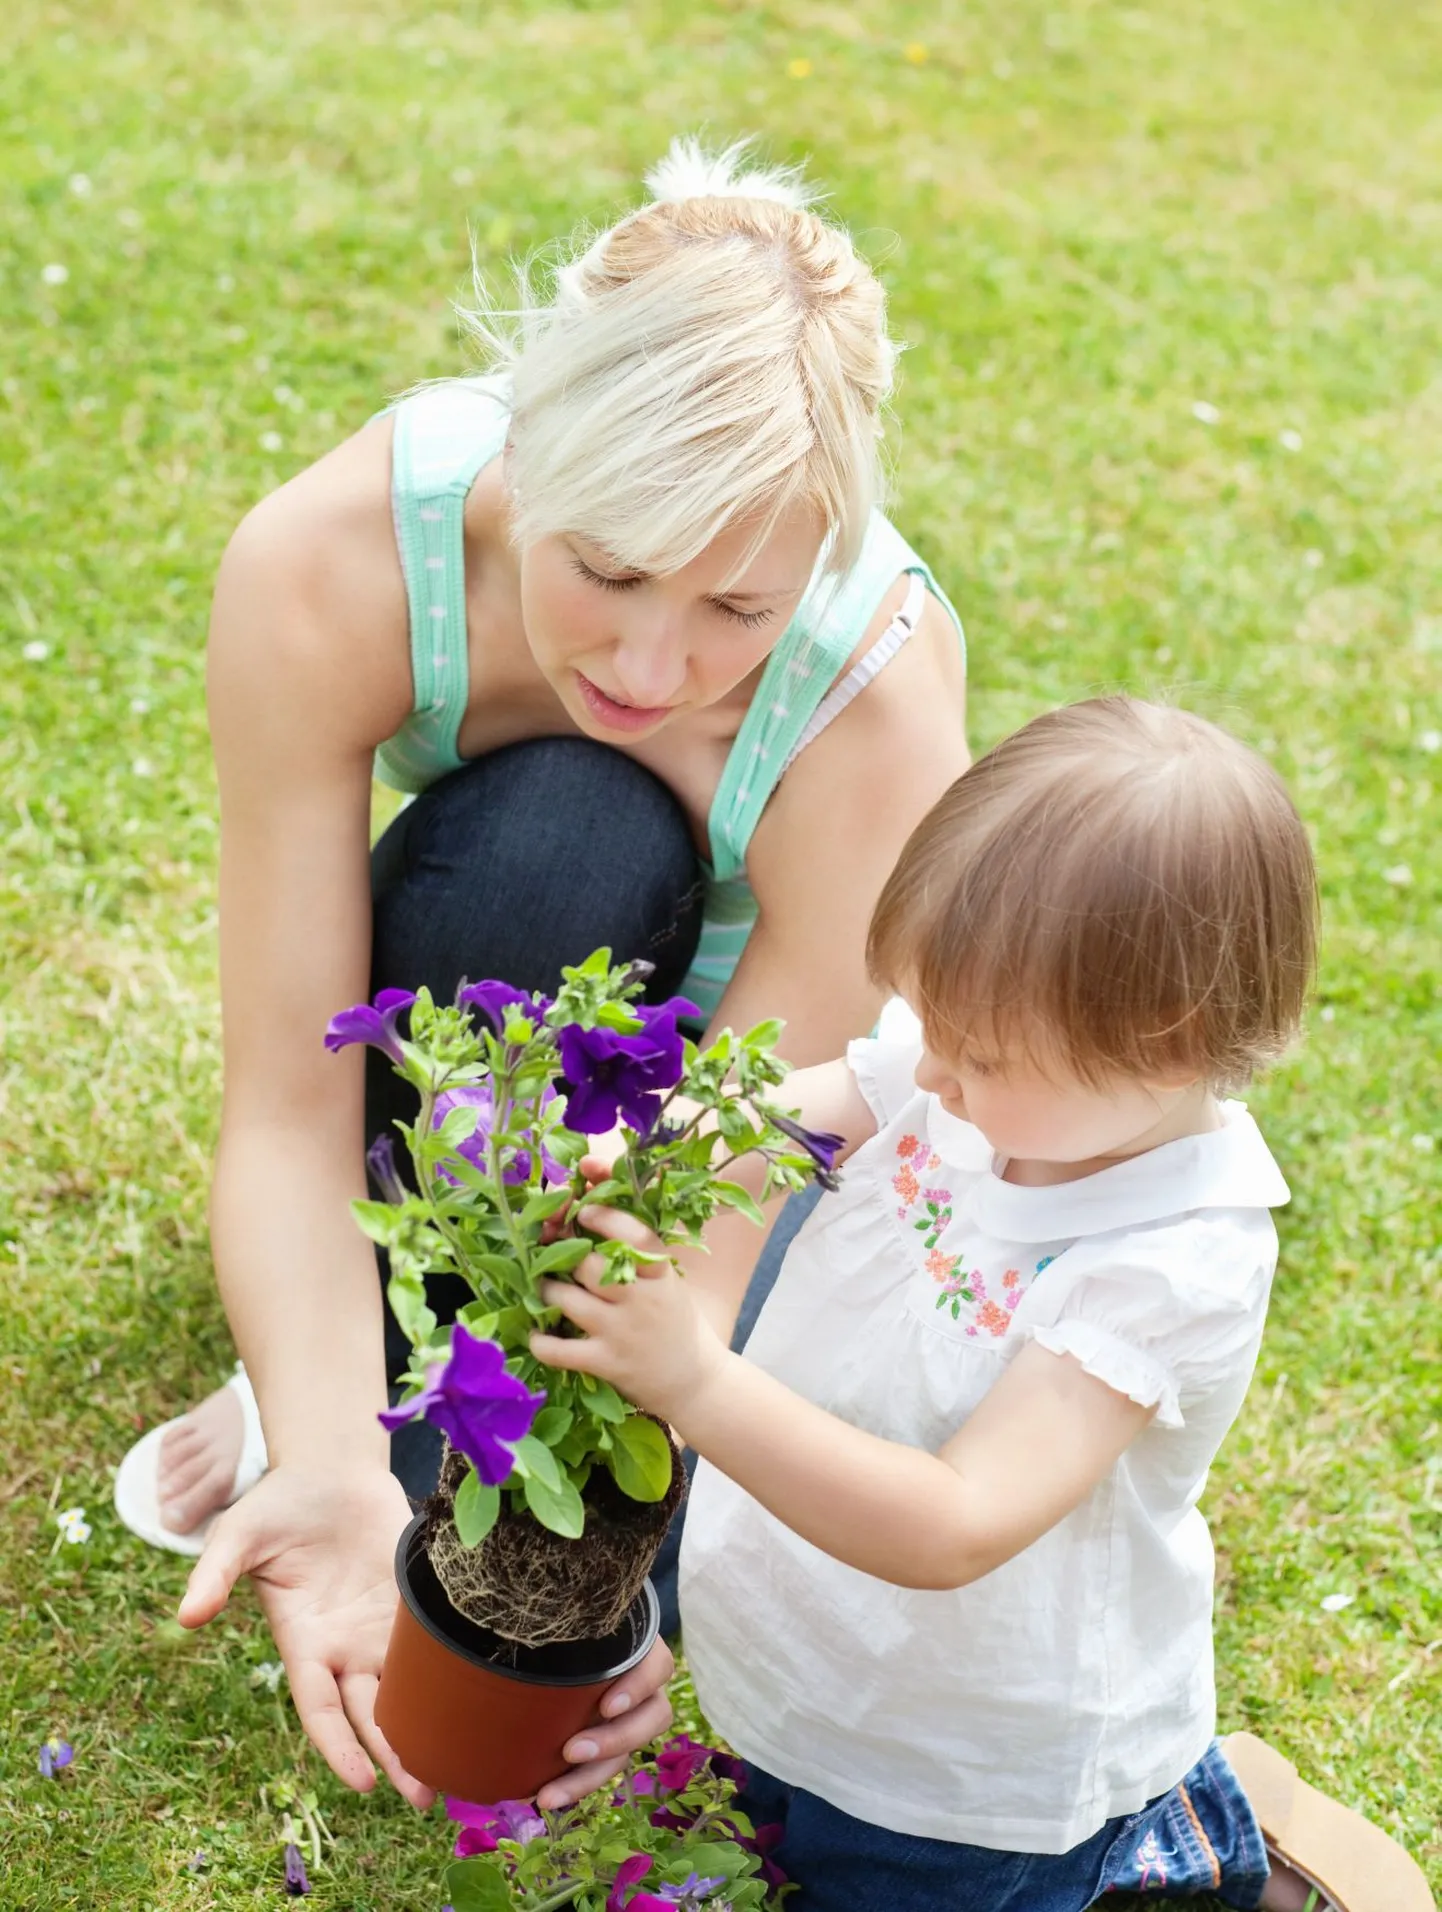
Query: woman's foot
x,y
198,1460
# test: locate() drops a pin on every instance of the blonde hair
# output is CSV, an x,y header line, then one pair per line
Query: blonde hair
x,y
718,357
1120,886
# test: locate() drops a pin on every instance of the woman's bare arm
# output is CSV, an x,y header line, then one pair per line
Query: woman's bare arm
x,y
832,833
308,670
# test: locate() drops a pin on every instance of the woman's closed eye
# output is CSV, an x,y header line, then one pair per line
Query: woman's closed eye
x,y
751,619
607,580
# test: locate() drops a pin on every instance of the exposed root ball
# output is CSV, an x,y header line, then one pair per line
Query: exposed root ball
x,y
533,1586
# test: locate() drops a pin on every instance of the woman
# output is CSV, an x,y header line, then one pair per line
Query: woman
x,y
624,612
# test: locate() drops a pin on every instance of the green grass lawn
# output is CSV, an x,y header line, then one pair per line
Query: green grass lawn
x,y
1170,421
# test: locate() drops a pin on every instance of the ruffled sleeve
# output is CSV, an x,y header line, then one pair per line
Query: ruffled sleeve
x,y
1166,1316
885,1073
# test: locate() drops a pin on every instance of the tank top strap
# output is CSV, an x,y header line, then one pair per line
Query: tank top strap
x,y
445,434
830,621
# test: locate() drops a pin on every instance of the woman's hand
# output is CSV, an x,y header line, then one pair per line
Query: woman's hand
x,y
647,1337
637,1709
320,1547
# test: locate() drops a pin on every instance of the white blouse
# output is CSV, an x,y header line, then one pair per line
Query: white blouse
x,y
1075,1682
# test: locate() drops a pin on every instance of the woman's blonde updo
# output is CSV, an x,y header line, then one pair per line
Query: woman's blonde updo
x,y
716,358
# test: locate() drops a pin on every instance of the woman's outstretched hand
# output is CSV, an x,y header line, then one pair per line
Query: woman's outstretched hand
x,y
320,1547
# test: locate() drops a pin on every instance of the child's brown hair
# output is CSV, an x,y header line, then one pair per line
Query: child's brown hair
x,y
1122,887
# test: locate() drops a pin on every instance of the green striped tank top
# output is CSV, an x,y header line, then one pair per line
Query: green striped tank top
x,y
445,434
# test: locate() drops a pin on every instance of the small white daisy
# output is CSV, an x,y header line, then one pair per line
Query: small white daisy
x,y
36,651
54,273
1337,1602
1431,741
79,184
1290,440
1399,875
1205,412
271,441
142,767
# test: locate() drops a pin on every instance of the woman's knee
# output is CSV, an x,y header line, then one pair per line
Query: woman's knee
x,y
529,858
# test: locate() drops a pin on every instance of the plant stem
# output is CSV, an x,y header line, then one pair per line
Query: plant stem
x,y
501,1115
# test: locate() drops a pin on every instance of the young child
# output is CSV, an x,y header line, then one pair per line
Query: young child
x,y
945,1585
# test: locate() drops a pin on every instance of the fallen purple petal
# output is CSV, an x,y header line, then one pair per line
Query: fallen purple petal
x,y
297,1885
55,1756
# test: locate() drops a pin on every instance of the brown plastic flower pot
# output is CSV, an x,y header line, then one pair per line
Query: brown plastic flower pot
x,y
477,1716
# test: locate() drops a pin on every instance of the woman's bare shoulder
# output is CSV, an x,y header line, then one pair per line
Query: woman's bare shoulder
x,y
310,590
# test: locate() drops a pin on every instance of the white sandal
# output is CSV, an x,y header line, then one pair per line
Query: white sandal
x,y
137,1498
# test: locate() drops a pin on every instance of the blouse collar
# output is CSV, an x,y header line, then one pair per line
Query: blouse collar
x,y
1228,1167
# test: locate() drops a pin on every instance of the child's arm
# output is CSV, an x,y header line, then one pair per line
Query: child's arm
x,y
825,1098
1037,1445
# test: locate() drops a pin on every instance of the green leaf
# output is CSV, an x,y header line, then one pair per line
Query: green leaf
x,y
552,1424
620,1017
732,1195
476,1509
641,1458
535,1461
603,1400
559,1509
459,1126
503,1268
765,1035
478,1885
542,1204
560,1257
406,1293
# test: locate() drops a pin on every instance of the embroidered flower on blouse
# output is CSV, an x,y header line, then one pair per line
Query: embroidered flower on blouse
x,y
940,1267
995,1320
907,1146
906,1185
1011,1278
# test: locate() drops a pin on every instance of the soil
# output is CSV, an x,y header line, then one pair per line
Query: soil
x,y
536,1588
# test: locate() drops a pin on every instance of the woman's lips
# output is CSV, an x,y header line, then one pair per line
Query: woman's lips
x,y
619,716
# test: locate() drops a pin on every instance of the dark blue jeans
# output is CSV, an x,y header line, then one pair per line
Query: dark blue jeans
x,y
1199,1838
515,865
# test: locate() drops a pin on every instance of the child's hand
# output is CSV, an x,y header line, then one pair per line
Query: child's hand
x,y
648,1337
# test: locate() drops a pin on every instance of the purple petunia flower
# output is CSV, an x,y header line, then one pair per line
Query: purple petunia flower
x,y
480,1096
493,999
819,1144
612,1075
297,1885
55,1755
373,1023
484,1827
627,1874
471,1398
692,1890
680,1759
381,1161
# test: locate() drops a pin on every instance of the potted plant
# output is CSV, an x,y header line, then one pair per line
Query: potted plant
x,y
667,1838
523,1579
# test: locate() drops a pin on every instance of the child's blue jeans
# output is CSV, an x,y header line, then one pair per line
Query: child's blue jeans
x,y
1201,1837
